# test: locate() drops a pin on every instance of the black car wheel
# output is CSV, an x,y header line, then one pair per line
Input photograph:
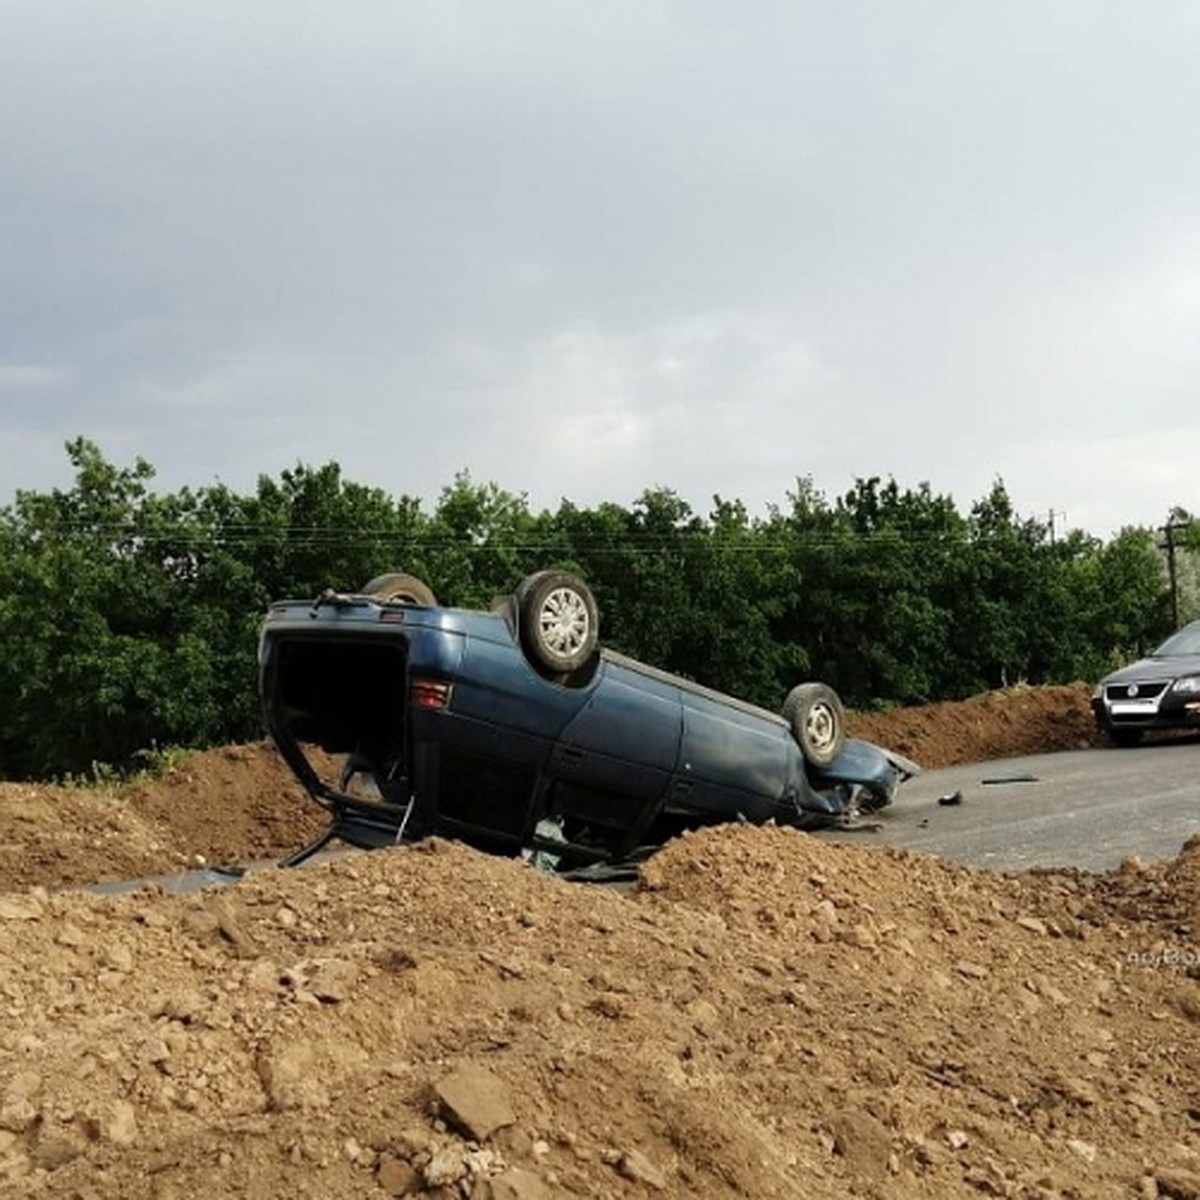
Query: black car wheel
x,y
398,586
818,721
560,625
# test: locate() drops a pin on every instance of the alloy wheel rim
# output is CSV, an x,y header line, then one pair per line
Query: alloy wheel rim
x,y
564,621
821,727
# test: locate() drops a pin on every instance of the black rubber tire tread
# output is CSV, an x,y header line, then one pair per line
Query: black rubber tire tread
x,y
798,708
398,585
531,597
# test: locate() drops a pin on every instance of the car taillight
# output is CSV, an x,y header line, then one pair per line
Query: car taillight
x,y
430,693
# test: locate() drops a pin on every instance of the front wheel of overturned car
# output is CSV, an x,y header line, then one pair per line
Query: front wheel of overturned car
x,y
559,621
818,721
398,585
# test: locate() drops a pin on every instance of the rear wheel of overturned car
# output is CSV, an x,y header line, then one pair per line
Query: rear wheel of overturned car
x,y
559,621
398,585
818,721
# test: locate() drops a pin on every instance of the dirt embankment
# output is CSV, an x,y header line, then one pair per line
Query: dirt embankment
x,y
767,1015
1018,720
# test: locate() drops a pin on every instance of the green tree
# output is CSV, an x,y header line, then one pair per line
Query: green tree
x,y
129,618
100,659
480,541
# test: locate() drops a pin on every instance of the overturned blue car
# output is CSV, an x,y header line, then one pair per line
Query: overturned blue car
x,y
514,731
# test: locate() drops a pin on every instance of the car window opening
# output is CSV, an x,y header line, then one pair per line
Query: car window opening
x,y
348,698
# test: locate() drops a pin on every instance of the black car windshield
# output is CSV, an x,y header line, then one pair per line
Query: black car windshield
x,y
1186,641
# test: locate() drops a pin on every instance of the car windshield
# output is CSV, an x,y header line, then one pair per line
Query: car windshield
x,y
1186,641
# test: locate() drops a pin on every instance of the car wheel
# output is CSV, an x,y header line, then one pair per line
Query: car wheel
x,y
1125,737
818,721
559,622
398,586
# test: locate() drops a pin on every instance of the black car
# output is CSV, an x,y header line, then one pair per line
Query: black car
x,y
514,731
1161,691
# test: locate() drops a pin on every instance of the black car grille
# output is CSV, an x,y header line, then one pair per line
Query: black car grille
x,y
1143,691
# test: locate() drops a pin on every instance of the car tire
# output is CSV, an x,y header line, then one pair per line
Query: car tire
x,y
559,621
818,722
408,589
1125,737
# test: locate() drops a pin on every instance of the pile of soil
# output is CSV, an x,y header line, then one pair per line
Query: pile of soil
x,y
1004,724
233,805
766,1015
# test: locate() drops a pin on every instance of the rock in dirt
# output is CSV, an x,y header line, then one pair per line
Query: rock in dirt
x,y
292,1077
515,1184
116,1123
329,980
475,1100
20,908
18,1115
863,1141
445,1168
636,1167
398,1178
1178,1185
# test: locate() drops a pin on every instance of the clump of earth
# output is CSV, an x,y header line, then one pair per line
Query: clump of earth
x,y
765,1014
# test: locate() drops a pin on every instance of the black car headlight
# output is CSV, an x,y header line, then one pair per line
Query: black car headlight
x,y
1187,685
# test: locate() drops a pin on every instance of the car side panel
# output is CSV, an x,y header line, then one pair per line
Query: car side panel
x,y
495,684
734,761
625,737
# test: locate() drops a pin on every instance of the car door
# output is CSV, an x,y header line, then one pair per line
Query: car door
x,y
613,761
733,761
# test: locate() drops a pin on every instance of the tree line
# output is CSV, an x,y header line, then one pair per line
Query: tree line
x,y
129,618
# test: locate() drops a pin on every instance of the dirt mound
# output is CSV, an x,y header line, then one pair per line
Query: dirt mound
x,y
1166,892
770,1015
236,804
231,805
767,1015
1018,720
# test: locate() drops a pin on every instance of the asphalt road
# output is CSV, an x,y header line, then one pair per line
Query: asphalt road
x,y
1079,808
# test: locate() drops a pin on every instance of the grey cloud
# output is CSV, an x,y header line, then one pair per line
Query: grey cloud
x,y
587,248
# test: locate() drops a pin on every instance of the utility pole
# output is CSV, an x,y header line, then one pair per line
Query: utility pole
x,y
1170,529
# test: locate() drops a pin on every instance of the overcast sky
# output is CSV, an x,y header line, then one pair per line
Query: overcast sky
x,y
584,249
